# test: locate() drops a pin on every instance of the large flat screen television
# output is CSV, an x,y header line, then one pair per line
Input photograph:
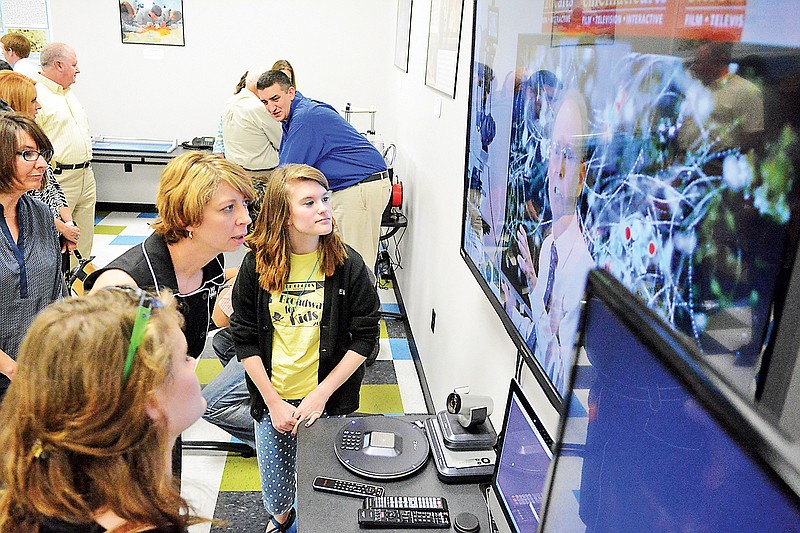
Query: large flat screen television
x,y
661,443
657,140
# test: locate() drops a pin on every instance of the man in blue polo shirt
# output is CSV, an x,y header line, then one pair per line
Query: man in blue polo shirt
x,y
316,135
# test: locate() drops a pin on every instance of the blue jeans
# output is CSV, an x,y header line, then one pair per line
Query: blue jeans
x,y
227,396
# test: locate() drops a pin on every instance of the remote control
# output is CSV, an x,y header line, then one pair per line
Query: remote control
x,y
346,488
414,503
402,518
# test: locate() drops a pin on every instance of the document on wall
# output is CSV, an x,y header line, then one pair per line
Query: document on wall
x,y
24,13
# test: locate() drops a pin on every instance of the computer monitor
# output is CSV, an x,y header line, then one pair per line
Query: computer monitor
x,y
661,443
521,467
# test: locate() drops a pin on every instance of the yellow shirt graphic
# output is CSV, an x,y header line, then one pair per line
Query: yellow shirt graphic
x,y
296,313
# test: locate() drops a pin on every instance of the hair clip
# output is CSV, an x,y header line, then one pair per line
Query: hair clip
x,y
37,450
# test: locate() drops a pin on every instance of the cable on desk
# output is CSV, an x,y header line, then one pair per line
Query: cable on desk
x,y
492,523
396,262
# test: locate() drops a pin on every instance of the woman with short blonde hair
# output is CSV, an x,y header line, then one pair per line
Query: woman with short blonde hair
x,y
202,212
186,186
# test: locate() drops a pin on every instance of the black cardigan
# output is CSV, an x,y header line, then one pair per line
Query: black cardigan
x,y
350,317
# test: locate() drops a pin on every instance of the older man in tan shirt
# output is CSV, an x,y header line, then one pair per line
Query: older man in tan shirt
x,y
64,121
251,136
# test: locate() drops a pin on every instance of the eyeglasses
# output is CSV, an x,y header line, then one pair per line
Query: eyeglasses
x,y
147,302
33,155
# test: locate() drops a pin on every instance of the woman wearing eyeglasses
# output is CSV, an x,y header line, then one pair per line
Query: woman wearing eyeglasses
x,y
19,92
306,317
105,386
30,277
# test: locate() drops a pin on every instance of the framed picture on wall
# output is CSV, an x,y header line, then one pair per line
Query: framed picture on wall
x,y
444,37
160,24
402,34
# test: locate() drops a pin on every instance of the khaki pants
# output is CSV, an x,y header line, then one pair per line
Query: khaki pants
x,y
358,210
81,192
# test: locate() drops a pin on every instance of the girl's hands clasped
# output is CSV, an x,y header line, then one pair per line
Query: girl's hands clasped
x,y
310,409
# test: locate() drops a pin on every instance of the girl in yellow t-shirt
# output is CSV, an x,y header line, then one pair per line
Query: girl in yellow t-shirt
x,y
305,317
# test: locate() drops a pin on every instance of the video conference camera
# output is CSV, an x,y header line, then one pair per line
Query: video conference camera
x,y
470,409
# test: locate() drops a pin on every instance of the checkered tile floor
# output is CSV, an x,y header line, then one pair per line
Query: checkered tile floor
x,y
226,487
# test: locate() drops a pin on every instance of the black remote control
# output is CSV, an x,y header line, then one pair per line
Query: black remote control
x,y
402,518
346,488
414,503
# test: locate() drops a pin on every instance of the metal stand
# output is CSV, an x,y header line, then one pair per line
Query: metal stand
x,y
349,111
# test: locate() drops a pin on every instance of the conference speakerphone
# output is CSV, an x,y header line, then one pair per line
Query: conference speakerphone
x,y
380,447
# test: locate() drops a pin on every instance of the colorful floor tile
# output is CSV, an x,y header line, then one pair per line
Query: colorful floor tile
x,y
226,486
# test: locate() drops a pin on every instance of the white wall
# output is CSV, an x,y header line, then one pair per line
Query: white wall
x,y
470,345
342,51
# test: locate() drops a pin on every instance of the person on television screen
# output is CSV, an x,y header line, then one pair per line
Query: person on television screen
x,y
736,119
564,260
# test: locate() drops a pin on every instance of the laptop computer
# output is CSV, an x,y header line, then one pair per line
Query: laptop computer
x,y
523,460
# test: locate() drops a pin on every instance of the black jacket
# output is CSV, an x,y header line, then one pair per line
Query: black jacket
x,y
350,316
150,266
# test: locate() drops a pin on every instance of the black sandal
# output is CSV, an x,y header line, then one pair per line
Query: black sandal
x,y
278,527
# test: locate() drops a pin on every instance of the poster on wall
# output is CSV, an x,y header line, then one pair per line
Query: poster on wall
x,y
28,17
402,39
152,23
24,13
444,37
666,155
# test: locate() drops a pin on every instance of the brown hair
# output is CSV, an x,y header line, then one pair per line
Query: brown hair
x,y
11,125
284,65
76,436
17,43
187,185
269,240
17,90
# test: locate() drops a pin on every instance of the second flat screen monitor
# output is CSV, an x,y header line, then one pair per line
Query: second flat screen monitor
x,y
657,446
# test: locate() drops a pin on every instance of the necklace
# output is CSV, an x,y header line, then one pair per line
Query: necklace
x,y
305,283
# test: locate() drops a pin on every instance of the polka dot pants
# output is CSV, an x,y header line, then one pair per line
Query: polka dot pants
x,y
276,455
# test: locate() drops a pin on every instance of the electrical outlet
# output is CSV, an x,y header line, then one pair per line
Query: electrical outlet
x,y
433,320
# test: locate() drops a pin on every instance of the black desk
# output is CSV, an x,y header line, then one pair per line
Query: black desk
x,y
323,512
